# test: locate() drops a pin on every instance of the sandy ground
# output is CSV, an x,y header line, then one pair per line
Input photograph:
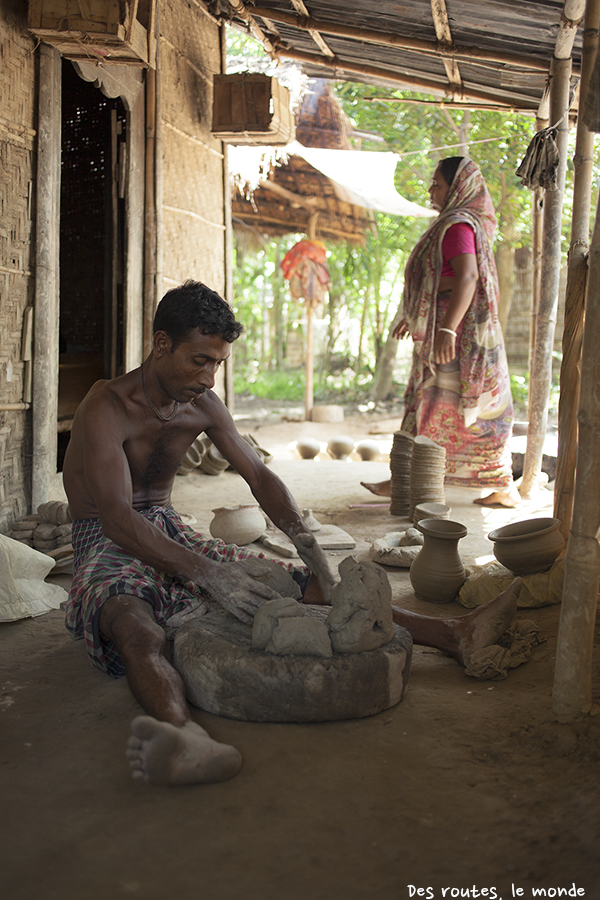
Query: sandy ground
x,y
464,786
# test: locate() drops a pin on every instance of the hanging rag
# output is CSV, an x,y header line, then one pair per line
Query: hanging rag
x,y
540,164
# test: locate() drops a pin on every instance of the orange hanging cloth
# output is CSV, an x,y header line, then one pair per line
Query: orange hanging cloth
x,y
306,269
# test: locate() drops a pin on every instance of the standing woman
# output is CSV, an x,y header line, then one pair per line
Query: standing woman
x,y
458,393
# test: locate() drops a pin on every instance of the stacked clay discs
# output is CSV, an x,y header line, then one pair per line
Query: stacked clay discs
x,y
427,471
400,467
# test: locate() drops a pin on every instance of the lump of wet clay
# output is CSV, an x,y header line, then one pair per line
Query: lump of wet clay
x,y
274,575
300,636
268,616
361,614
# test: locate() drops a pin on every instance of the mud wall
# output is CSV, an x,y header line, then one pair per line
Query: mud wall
x,y
17,166
192,160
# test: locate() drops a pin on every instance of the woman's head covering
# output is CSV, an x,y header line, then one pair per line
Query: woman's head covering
x,y
468,191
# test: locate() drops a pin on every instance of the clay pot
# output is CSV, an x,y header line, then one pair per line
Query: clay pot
x,y
437,574
309,520
308,447
431,511
368,450
340,447
238,524
529,546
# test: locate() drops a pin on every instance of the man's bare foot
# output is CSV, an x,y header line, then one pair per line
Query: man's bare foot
x,y
162,753
461,636
487,623
381,488
509,498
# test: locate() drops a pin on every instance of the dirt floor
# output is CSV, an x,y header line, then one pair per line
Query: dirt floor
x,y
466,786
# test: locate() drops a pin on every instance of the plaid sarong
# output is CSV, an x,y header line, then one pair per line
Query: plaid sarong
x,y
102,570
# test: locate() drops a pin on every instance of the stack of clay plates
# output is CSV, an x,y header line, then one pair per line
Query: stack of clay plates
x,y
400,462
427,470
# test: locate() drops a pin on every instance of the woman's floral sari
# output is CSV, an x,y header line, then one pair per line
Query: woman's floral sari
x,y
466,405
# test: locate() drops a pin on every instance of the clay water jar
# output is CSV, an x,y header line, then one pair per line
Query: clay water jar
x,y
238,524
528,546
437,573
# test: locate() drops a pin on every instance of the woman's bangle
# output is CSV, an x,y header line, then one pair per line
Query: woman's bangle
x,y
449,330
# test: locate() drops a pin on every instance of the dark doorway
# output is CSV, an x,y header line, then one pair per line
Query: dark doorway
x,y
92,220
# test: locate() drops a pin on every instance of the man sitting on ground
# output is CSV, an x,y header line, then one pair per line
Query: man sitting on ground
x,y
137,564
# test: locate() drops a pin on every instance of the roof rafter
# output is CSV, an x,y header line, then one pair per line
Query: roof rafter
x,y
418,45
444,36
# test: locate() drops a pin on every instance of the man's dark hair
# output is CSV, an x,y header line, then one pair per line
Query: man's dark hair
x,y
191,306
449,166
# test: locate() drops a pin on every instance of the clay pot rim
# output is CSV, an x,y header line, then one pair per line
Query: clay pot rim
x,y
526,528
442,528
239,506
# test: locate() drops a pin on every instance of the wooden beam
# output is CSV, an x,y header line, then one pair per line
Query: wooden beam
x,y
285,223
47,249
240,9
444,36
576,285
314,33
415,82
306,202
417,45
541,363
572,694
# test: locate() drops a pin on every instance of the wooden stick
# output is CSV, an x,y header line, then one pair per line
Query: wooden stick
x,y
541,363
572,694
576,286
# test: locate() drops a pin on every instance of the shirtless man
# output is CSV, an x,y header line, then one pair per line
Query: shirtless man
x,y
136,564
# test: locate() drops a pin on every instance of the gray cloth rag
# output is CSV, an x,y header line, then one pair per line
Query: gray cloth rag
x,y
513,649
540,164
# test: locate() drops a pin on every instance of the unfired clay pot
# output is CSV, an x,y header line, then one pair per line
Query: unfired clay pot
x,y
308,447
368,450
341,446
529,546
437,574
238,524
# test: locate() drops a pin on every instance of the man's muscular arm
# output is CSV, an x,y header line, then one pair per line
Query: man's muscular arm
x,y
103,429
271,493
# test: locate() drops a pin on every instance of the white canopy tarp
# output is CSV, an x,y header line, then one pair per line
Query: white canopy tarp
x,y
361,177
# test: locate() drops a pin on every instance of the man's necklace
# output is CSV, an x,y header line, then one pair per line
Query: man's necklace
x,y
152,406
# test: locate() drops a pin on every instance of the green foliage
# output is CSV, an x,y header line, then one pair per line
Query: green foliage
x,y
519,386
422,135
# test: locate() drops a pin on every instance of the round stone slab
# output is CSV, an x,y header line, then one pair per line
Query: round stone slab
x,y
225,676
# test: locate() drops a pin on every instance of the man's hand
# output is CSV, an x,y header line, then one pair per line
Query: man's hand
x,y
310,552
235,590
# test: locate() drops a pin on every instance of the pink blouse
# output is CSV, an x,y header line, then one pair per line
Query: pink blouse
x,y
459,238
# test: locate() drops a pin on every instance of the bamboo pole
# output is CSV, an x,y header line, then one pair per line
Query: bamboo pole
x,y
572,694
576,286
308,387
227,242
541,363
47,301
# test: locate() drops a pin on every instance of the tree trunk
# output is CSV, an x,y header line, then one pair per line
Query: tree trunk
x,y
505,265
